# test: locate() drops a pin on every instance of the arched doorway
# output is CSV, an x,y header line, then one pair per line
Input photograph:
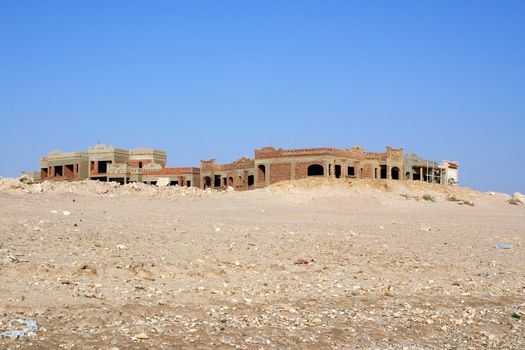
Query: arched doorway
x,y
315,170
261,173
207,182
395,173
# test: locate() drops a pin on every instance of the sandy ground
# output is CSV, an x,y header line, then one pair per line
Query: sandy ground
x,y
310,265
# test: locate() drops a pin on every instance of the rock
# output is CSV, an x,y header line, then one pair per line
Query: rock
x,y
519,196
163,182
66,213
142,336
26,179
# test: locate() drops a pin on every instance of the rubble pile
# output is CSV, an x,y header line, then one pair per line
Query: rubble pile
x,y
90,187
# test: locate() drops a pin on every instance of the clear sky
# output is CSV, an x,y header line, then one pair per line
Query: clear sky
x,y
218,79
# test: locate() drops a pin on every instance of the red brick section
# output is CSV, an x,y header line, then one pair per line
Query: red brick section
x,y
280,172
67,173
135,163
172,171
354,153
240,164
301,169
367,171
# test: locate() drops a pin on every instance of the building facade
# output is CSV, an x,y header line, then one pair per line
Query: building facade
x,y
269,165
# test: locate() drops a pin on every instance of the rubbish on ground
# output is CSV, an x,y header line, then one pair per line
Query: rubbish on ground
x,y
303,262
31,327
503,246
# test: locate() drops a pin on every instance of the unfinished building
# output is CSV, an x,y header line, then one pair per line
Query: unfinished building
x,y
107,163
269,165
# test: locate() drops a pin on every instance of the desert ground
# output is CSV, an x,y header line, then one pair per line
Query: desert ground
x,y
314,264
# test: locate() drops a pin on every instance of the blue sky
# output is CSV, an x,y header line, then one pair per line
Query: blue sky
x,y
218,79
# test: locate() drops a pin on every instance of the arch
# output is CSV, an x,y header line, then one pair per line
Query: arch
x,y
230,181
315,170
394,172
261,176
207,182
407,175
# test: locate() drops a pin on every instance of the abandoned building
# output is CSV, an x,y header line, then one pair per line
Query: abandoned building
x,y
269,165
106,163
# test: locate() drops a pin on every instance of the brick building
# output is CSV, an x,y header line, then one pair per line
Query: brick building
x,y
107,163
269,165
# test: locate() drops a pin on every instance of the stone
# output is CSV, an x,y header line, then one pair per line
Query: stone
x,y
163,182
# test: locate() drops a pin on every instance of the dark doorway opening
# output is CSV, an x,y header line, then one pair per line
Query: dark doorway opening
x,y
383,171
188,183
395,173
217,181
250,180
351,171
59,170
174,183
315,170
261,173
103,166
337,171
207,182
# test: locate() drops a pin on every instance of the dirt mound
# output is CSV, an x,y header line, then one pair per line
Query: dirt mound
x,y
385,190
90,187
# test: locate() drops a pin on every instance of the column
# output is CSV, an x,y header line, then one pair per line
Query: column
x,y
267,182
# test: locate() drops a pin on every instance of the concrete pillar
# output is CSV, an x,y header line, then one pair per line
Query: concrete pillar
x,y
292,171
421,174
267,175
326,169
388,172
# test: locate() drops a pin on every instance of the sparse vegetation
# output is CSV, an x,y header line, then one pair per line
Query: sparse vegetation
x,y
429,197
465,202
514,201
453,198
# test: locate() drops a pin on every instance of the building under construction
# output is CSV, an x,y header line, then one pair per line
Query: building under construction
x,y
269,165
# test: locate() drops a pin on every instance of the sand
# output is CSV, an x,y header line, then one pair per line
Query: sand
x,y
307,265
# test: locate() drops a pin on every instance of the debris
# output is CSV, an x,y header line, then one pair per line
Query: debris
x,y
303,262
163,181
31,327
66,213
142,336
516,315
503,246
26,179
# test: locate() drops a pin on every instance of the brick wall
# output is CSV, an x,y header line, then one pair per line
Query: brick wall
x,y
301,169
280,172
